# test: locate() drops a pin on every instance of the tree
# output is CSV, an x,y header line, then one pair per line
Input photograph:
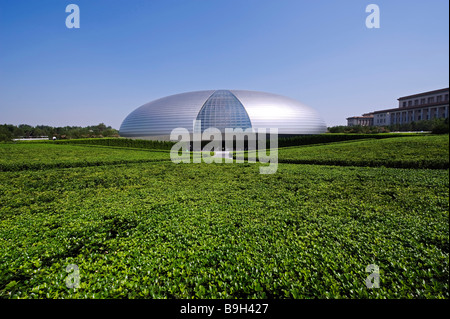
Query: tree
x,y
5,134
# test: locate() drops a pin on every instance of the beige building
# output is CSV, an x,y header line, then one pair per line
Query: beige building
x,y
413,108
364,120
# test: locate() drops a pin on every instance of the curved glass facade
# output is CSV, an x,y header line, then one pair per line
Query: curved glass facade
x,y
221,109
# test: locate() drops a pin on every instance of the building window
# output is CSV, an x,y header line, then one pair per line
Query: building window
x,y
446,97
439,98
422,101
404,104
409,103
431,99
416,102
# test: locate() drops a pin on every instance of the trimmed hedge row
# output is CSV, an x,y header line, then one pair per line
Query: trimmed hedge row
x,y
337,137
35,156
430,164
282,141
13,167
406,152
120,142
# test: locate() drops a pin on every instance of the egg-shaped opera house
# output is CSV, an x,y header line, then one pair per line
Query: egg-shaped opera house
x,y
221,109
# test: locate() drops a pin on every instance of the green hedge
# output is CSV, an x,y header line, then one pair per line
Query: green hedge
x,y
335,137
282,141
120,142
430,151
35,156
430,164
69,164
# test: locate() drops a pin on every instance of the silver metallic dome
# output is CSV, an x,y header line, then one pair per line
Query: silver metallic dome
x,y
221,109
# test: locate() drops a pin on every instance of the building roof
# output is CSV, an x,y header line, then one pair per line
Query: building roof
x,y
221,109
423,94
360,117
407,108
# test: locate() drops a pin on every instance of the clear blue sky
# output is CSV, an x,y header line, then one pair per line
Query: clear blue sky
x,y
129,52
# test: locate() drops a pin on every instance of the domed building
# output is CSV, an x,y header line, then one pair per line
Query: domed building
x,y
221,109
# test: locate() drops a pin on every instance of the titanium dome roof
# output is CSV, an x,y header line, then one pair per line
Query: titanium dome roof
x,y
221,109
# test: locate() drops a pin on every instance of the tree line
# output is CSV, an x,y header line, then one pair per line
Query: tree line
x,y
9,132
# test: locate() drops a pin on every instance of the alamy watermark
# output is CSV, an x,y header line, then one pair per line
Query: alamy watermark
x,y
73,19
73,279
373,19
373,280
249,142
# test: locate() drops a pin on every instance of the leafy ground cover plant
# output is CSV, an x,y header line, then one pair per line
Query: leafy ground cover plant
x,y
430,151
161,230
22,156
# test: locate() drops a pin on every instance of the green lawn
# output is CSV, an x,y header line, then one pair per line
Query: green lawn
x,y
402,152
165,230
22,156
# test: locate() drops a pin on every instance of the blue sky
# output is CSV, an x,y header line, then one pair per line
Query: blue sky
x,y
129,52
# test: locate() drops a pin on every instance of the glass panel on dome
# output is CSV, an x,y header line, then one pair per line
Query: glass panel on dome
x,y
223,110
